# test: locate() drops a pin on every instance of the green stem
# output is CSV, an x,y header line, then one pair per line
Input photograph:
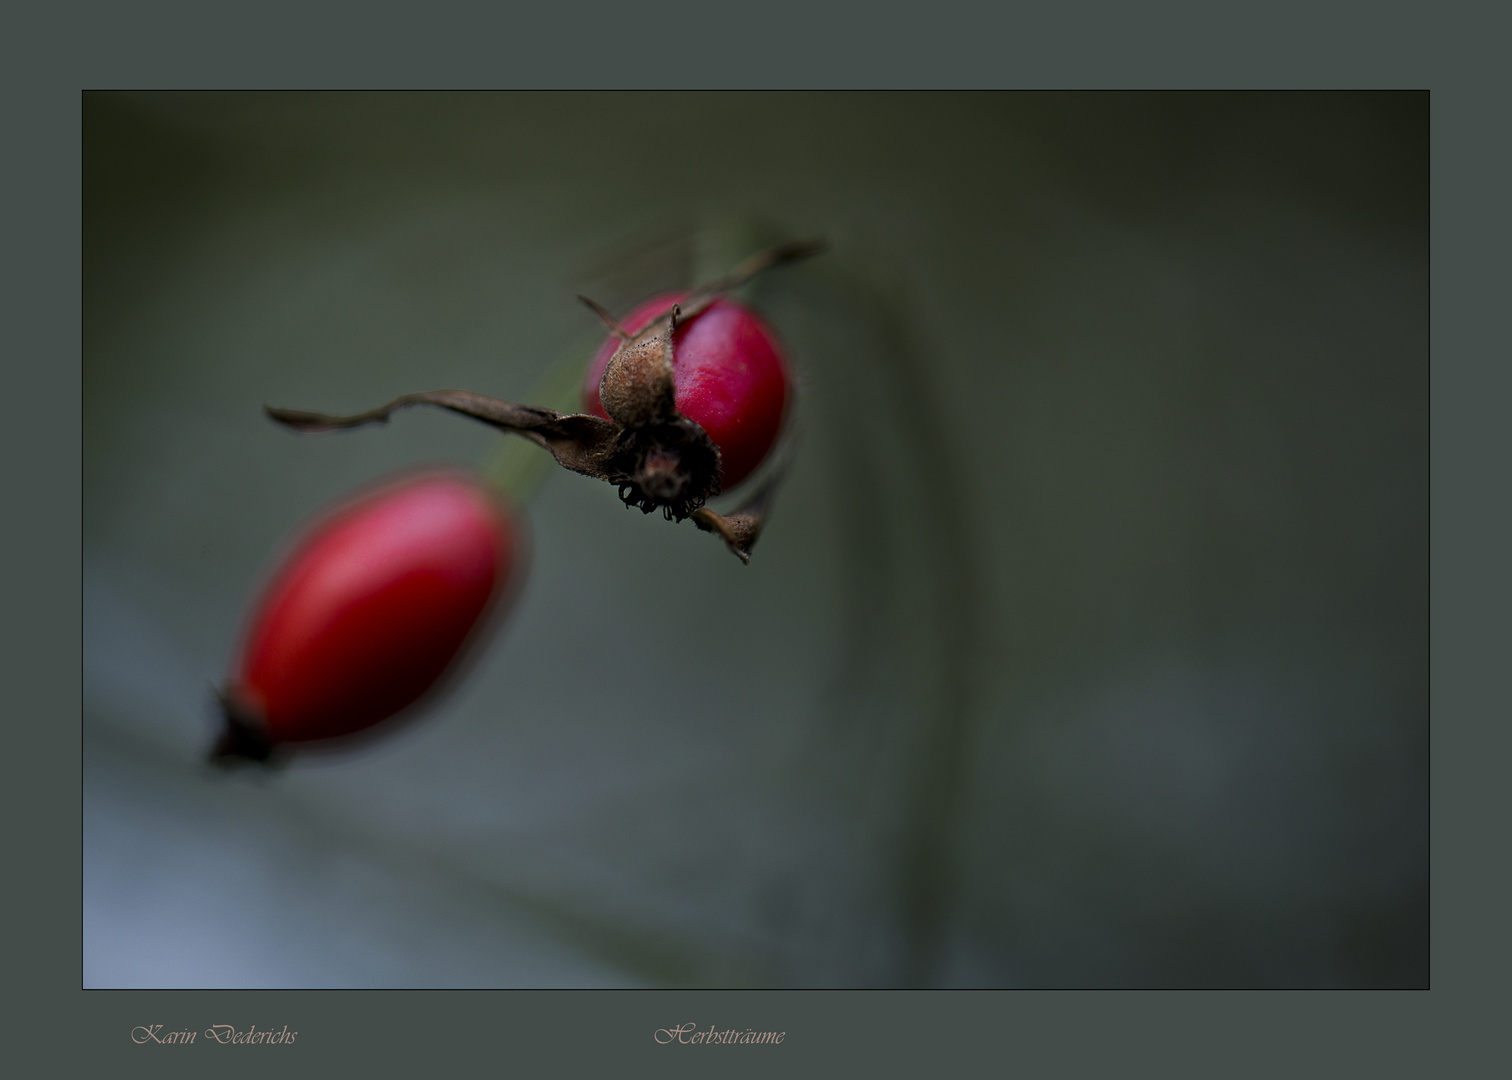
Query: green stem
x,y
517,468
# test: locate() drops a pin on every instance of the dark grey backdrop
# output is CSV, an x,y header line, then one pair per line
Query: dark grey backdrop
x,y
1089,643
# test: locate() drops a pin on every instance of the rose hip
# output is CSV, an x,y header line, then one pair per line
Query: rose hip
x,y
730,379
367,613
689,399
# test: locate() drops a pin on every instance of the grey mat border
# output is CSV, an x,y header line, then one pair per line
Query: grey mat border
x,y
57,53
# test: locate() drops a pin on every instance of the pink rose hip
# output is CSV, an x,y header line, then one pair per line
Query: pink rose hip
x,y
730,379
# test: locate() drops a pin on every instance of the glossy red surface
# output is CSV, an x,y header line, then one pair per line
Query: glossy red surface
x,y
372,606
730,375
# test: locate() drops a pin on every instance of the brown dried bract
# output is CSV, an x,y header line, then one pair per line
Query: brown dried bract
x,y
741,528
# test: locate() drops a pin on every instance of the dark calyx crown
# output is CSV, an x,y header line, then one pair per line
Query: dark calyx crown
x,y
672,465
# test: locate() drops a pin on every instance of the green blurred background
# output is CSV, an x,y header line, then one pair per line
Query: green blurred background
x,y
1087,646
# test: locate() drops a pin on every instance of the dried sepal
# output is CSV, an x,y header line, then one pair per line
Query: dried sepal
x,y
242,739
579,442
709,292
672,465
741,528
606,318
639,386
739,531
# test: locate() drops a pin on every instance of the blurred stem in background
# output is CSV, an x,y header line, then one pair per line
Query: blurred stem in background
x,y
921,506
927,856
920,842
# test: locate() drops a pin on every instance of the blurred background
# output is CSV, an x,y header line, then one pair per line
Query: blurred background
x,y
1087,644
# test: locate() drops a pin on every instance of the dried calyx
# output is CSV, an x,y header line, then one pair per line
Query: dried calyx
x,y
657,457
243,738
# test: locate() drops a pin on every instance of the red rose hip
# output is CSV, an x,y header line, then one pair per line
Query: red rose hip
x,y
367,613
685,400
730,378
